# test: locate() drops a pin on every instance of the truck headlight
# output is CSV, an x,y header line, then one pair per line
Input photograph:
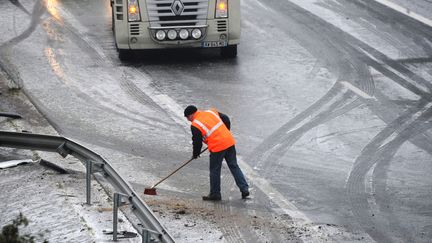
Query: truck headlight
x,y
221,9
160,35
184,34
133,11
172,34
196,33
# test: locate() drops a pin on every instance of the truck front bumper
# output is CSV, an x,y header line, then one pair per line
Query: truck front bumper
x,y
141,36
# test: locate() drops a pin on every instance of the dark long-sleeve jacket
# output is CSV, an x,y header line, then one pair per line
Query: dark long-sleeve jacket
x,y
197,137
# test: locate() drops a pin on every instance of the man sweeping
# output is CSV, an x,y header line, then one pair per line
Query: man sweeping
x,y
213,128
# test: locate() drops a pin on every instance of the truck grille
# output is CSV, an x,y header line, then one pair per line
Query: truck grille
x,y
171,13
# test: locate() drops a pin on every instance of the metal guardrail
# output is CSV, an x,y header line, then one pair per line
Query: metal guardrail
x,y
94,163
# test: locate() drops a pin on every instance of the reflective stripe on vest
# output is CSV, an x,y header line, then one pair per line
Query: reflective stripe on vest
x,y
206,129
214,132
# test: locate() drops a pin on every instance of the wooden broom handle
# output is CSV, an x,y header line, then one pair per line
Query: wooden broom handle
x,y
183,165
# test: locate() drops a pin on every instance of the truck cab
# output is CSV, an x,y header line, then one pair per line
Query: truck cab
x,y
162,24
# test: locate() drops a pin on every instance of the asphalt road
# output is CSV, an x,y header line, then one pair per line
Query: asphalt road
x,y
330,103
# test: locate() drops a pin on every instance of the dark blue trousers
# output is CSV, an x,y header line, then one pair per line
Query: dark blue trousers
x,y
230,157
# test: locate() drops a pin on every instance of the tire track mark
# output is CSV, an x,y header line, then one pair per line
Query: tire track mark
x,y
379,184
377,9
232,232
294,135
337,57
100,59
103,59
379,28
422,141
272,140
355,43
383,200
38,10
373,56
91,47
20,6
10,69
68,83
418,37
379,149
358,52
334,54
357,49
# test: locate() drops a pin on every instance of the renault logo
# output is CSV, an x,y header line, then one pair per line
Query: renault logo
x,y
177,7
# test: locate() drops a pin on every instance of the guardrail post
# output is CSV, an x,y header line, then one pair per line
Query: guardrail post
x,y
117,201
145,235
89,165
90,169
115,214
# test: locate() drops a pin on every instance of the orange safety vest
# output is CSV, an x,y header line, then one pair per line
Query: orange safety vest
x,y
215,134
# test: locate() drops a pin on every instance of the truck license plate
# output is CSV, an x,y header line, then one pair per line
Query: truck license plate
x,y
214,43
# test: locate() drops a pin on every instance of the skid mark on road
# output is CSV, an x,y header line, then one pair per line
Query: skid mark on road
x,y
406,11
383,200
400,75
38,10
61,74
272,141
289,136
380,151
60,20
146,94
20,6
5,48
356,49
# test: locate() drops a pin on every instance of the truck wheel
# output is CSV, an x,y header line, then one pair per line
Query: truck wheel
x,y
229,51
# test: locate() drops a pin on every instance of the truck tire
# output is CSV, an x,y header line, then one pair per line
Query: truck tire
x,y
229,51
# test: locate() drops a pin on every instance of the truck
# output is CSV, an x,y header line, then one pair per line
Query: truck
x,y
162,24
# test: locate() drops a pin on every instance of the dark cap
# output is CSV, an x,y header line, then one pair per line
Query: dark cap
x,y
190,110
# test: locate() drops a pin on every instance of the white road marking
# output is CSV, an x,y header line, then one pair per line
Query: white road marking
x,y
356,90
406,11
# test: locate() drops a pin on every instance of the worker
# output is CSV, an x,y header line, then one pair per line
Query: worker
x,y
213,128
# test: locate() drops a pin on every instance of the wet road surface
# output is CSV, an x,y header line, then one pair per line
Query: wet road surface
x,y
330,106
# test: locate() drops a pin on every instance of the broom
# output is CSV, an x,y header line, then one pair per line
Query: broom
x,y
152,190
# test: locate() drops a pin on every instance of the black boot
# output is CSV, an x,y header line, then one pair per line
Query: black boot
x,y
245,194
212,197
